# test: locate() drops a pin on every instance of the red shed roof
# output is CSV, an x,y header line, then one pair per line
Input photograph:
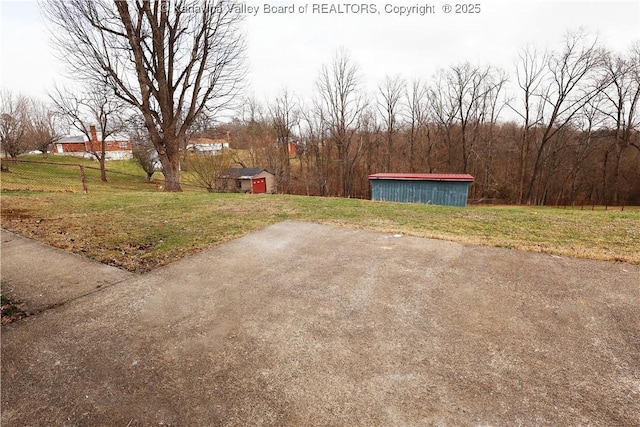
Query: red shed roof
x,y
424,176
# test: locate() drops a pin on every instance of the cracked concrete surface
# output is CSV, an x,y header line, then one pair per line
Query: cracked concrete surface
x,y
303,324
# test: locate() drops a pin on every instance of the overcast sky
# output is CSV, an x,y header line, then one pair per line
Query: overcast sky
x,y
287,50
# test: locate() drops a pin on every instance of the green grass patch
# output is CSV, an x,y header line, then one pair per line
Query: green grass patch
x,y
65,174
140,230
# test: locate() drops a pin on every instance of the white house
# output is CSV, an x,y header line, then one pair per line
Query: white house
x,y
206,146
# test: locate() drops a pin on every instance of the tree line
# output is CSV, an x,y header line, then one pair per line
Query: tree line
x,y
26,124
567,133
560,127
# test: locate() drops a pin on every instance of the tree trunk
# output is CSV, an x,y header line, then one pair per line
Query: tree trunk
x,y
535,174
412,151
342,167
388,154
168,149
103,171
171,170
522,160
616,172
286,167
605,200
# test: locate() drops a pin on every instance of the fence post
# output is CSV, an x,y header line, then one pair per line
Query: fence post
x,y
84,180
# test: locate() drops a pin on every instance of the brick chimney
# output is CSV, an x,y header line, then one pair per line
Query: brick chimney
x,y
95,144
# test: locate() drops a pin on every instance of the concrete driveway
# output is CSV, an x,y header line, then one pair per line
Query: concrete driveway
x,y
303,324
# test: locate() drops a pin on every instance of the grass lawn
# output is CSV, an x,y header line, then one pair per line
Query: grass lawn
x,y
63,174
141,230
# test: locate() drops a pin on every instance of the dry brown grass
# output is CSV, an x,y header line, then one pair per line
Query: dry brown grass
x,y
140,231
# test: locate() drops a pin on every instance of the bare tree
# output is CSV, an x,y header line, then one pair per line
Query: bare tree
x,y
585,136
574,80
417,115
445,109
469,87
284,116
43,126
14,123
635,73
96,114
145,155
463,99
339,88
143,151
390,94
171,61
316,153
373,138
252,110
490,105
208,171
254,135
621,108
530,74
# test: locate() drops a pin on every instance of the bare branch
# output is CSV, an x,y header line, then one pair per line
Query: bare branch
x,y
171,61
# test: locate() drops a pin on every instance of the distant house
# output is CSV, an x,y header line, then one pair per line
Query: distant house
x,y
251,180
117,147
429,188
206,146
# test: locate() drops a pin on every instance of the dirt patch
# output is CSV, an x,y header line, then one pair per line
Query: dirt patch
x,y
11,310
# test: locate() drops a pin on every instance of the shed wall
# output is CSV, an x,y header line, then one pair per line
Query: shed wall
x,y
448,193
271,181
245,185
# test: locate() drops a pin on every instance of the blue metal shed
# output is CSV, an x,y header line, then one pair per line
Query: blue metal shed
x,y
429,188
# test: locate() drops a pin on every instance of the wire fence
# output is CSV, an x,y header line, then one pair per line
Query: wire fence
x,y
26,175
